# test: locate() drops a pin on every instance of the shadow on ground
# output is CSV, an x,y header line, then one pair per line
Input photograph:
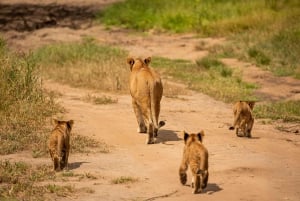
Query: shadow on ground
x,y
75,165
166,136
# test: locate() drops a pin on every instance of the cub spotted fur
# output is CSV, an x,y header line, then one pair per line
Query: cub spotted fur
x,y
195,155
146,90
243,118
59,144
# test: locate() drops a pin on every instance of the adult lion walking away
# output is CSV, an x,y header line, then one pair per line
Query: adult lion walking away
x,y
146,91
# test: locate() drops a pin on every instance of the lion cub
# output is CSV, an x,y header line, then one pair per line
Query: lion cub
x,y
195,155
243,118
59,144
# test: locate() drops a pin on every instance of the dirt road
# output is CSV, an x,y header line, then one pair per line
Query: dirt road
x,y
266,167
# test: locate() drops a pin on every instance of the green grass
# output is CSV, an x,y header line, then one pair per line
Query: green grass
x,y
288,111
24,107
207,17
276,51
85,64
208,76
266,32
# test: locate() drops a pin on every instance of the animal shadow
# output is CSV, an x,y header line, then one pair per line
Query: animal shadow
x,y
212,188
75,165
167,135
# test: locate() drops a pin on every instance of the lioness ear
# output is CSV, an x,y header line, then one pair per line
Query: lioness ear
x,y
70,124
200,135
251,104
147,60
185,136
130,61
54,122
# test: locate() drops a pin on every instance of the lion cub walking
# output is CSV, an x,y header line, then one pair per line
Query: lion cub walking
x,y
59,144
195,155
243,118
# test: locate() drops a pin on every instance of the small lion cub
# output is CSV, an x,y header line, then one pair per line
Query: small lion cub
x,y
59,143
195,155
243,118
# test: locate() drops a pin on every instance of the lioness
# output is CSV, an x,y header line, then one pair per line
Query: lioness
x,y
195,155
59,144
243,118
146,91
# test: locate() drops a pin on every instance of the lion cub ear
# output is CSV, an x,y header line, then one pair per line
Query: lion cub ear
x,y
130,61
200,135
147,60
54,122
71,122
185,136
251,104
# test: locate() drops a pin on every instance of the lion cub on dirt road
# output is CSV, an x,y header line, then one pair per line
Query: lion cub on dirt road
x,y
59,143
243,118
195,155
146,90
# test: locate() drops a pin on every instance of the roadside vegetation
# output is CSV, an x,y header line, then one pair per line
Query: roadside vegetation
x,y
209,76
85,64
20,181
288,111
264,32
24,106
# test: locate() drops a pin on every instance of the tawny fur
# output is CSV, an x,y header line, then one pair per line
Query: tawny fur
x,y
243,118
195,156
146,90
59,144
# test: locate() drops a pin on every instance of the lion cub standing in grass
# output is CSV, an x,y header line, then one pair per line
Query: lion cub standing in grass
x,y
195,155
243,118
59,144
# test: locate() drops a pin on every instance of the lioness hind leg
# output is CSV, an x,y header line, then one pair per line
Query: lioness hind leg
x,y
150,139
56,164
139,117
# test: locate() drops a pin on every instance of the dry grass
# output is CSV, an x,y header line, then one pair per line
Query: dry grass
x,y
24,107
124,180
85,64
20,181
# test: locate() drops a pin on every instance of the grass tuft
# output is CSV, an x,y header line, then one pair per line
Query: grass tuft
x,y
102,100
124,180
